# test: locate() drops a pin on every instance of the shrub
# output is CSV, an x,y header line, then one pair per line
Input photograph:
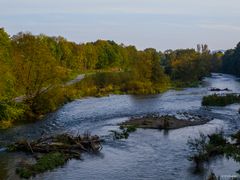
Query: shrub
x,y
220,100
10,112
207,146
45,163
217,139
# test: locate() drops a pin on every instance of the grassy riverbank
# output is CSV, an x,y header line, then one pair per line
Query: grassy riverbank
x,y
95,84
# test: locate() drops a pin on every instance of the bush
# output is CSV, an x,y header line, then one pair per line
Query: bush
x,y
206,147
45,163
220,100
131,128
236,137
10,112
125,131
101,84
52,99
217,139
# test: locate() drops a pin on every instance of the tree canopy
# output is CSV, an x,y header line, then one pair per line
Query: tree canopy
x,y
37,66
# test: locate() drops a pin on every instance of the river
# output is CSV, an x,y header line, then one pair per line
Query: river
x,y
146,154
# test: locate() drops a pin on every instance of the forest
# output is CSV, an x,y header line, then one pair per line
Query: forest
x,y
231,61
34,69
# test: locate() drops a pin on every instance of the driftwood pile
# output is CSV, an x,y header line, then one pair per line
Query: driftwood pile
x,y
64,143
218,89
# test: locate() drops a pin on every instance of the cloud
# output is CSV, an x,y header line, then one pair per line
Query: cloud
x,y
158,23
166,7
221,27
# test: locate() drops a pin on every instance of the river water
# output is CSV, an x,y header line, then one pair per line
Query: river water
x,y
146,154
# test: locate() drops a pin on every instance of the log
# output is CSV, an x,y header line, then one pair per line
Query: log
x,y
64,143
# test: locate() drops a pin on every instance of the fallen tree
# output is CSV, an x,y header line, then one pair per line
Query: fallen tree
x,y
65,143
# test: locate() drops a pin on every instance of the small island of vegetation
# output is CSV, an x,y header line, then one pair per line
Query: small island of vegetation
x,y
206,147
220,99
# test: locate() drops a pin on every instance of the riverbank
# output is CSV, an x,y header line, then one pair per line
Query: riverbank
x,y
89,85
92,84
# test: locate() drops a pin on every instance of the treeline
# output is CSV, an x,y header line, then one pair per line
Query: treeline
x,y
35,67
187,66
231,61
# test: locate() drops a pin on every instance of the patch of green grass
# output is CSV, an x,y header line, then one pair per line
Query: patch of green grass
x,y
45,163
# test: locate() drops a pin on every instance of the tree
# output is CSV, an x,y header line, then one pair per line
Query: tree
x,y
231,61
187,65
6,78
216,62
90,56
34,67
157,73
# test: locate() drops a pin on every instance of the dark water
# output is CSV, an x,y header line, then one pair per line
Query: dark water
x,y
147,154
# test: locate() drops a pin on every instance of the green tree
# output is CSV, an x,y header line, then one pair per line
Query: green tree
x,y
35,68
6,78
231,61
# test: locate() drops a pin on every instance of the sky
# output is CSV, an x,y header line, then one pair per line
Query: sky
x,y
161,24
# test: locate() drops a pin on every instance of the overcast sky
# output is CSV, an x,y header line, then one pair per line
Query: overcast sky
x,y
161,24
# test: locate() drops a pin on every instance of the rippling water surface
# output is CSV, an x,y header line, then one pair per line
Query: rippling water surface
x,y
147,154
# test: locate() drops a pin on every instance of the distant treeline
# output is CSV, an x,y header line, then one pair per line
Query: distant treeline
x,y
37,66
231,61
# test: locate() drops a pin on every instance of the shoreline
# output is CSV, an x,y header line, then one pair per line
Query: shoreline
x,y
26,119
